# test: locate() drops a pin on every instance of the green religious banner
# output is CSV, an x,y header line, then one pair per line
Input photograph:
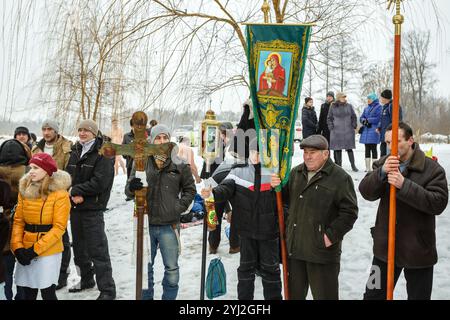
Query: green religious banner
x,y
276,57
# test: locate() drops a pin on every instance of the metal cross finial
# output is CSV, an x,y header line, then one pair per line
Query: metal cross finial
x,y
398,19
266,8
396,2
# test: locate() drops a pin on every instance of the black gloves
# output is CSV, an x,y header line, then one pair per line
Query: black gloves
x,y
366,123
135,184
24,256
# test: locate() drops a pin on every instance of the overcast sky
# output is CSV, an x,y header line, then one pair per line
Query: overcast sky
x,y
374,37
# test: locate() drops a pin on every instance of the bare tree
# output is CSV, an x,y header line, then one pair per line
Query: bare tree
x,y
346,63
376,77
416,69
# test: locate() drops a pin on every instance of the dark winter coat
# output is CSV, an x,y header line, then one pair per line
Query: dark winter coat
x,y
326,205
372,114
14,152
253,201
323,125
170,193
309,122
92,177
386,119
424,195
342,124
4,235
127,139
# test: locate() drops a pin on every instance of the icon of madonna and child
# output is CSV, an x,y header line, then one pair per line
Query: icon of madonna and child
x,y
272,70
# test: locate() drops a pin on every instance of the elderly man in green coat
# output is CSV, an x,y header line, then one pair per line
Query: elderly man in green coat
x,y
322,208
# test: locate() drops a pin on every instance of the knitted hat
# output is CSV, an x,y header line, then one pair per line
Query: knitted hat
x,y
89,125
157,130
22,130
387,94
373,96
45,162
330,94
52,124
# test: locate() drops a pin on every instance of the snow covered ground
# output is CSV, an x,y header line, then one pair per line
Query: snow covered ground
x,y
356,251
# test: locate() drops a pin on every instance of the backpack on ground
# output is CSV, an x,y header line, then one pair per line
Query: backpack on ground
x,y
216,280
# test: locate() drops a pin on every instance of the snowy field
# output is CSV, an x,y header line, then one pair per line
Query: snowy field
x,y
356,251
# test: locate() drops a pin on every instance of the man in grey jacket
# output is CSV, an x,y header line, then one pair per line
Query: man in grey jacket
x,y
171,191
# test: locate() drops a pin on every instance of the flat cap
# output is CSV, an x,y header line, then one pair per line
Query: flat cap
x,y
316,141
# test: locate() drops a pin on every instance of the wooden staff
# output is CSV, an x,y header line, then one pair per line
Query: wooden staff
x,y
397,20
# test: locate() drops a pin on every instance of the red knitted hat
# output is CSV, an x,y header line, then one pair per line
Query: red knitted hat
x,y
45,162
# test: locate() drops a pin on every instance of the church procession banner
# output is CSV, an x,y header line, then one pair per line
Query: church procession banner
x,y
276,56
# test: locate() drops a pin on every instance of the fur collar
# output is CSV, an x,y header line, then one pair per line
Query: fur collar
x,y
60,180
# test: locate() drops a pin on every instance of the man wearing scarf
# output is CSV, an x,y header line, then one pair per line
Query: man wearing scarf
x,y
171,189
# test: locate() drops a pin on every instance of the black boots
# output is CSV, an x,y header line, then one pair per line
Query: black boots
x,y
338,157
83,285
107,296
62,281
351,157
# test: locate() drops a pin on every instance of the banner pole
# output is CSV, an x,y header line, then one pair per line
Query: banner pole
x,y
397,20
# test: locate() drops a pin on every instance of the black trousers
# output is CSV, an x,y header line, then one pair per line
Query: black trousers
x,y
66,255
383,149
321,278
419,282
90,248
46,294
371,151
9,261
261,255
338,157
214,236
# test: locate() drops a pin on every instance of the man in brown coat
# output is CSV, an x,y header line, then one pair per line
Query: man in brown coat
x,y
422,194
59,148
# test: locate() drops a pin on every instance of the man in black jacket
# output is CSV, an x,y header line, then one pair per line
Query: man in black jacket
x,y
254,212
171,191
92,179
323,126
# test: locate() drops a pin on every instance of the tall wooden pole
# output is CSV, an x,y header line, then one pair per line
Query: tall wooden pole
x,y
397,20
266,8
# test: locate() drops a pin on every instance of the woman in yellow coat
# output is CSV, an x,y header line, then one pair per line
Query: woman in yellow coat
x,y
39,223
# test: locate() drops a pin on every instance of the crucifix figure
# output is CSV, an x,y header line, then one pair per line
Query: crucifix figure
x,y
139,150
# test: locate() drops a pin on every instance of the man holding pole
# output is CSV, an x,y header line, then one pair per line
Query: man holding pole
x,y
422,194
322,209
171,191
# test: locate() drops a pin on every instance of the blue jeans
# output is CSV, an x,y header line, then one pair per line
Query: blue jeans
x,y
166,239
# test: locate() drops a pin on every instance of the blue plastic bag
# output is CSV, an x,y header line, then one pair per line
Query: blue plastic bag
x,y
216,280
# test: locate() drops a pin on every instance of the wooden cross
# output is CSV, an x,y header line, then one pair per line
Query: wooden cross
x,y
139,150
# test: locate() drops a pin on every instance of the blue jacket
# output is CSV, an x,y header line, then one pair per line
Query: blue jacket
x,y
372,113
386,118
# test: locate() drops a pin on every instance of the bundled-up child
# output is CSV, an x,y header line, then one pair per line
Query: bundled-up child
x,y
255,213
